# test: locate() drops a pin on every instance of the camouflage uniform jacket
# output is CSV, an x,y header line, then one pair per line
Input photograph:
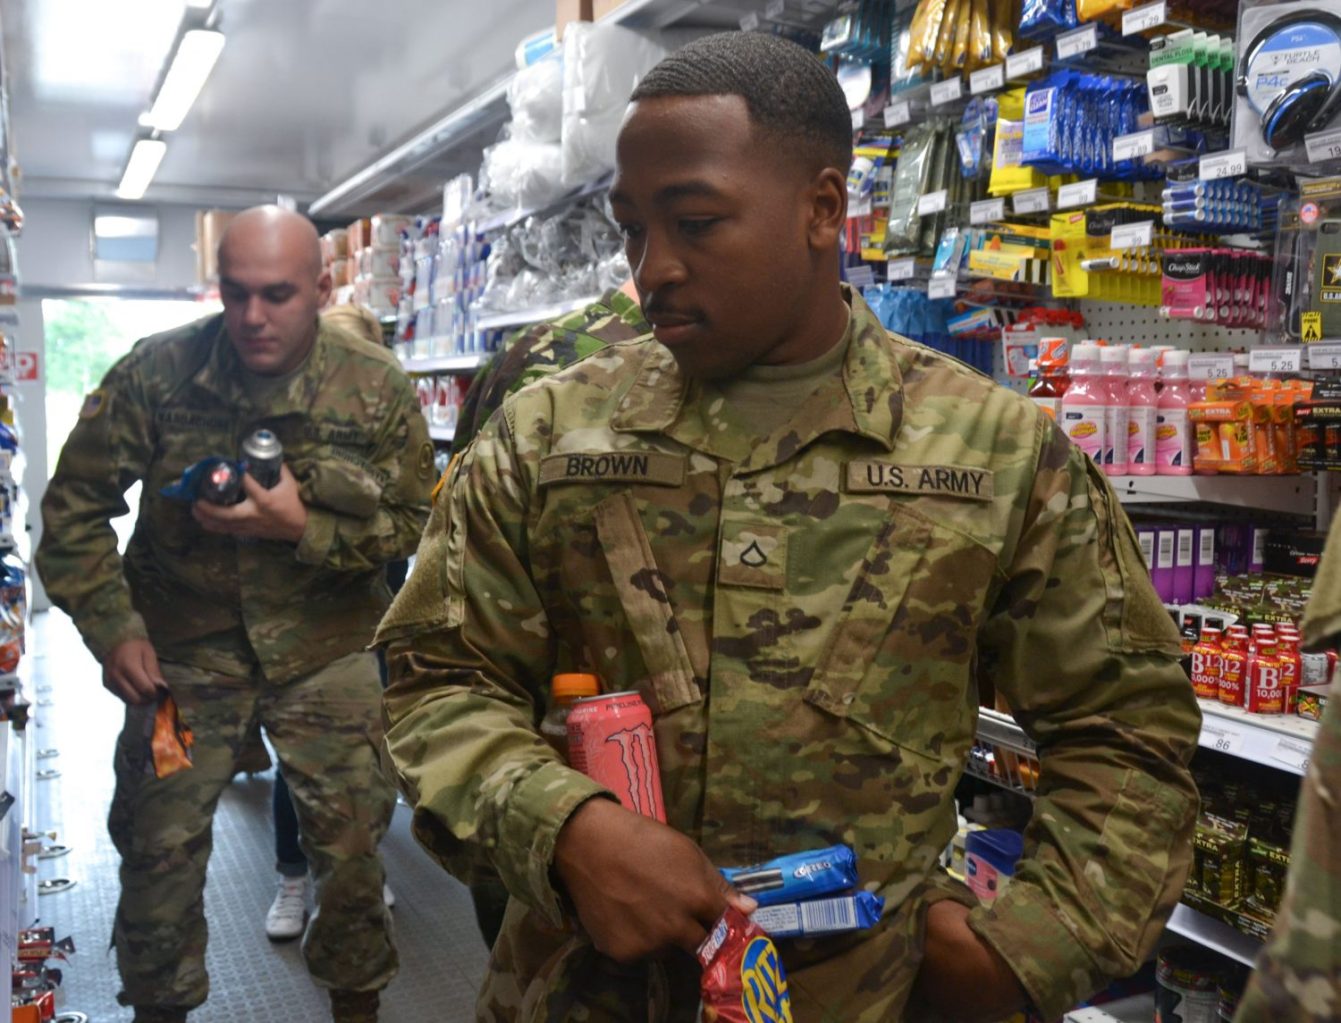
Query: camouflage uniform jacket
x,y
354,438
542,350
807,618
1298,976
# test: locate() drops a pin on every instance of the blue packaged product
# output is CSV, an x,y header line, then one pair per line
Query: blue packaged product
x,y
810,919
797,876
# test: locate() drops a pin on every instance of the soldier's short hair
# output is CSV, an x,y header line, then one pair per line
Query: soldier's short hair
x,y
788,90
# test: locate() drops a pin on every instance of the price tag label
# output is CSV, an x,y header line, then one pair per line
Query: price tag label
x,y
1221,737
901,269
1134,146
1133,236
897,114
1276,360
1293,753
858,119
1210,367
1323,145
775,9
942,286
1034,200
987,79
1082,193
987,210
1077,42
749,22
1143,19
861,208
1233,164
947,91
932,202
1324,356
1027,63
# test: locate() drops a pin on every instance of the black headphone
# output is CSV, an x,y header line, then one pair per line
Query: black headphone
x,y
1305,105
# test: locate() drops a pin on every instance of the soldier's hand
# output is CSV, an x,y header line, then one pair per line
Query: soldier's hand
x,y
640,887
962,978
274,514
131,673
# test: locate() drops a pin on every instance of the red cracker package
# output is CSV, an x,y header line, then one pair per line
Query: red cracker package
x,y
743,978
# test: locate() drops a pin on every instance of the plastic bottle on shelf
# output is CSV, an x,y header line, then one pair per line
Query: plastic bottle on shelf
x,y
1113,359
1207,664
1142,411
1085,404
9,446
1266,693
1233,666
565,690
1050,381
1173,428
1291,664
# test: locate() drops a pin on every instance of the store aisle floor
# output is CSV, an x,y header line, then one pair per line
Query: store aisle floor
x,y
442,954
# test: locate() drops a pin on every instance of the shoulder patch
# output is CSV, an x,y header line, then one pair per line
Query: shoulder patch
x,y
656,467
935,480
94,403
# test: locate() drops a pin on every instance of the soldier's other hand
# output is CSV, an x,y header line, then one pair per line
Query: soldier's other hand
x,y
640,888
131,673
962,977
274,514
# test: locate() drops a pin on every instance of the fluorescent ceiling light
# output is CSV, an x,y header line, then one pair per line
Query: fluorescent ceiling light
x,y
141,167
199,3
191,65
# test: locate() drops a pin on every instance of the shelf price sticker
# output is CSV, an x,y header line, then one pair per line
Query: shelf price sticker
x,y
1221,737
1077,42
1233,164
1323,146
1143,19
898,114
986,211
1275,360
900,269
947,91
1293,753
1133,236
942,286
987,79
1324,356
1210,367
1033,200
1027,63
932,202
1081,193
1134,146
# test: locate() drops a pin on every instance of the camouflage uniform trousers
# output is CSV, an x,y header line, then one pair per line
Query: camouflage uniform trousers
x,y
326,728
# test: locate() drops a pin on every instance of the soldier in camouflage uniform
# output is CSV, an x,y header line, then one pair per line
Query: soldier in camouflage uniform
x,y
803,541
260,610
1298,976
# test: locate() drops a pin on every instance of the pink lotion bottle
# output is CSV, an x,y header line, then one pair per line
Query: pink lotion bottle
x,y
1085,403
1113,359
1173,428
1141,412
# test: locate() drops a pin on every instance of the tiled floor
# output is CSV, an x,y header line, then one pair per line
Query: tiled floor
x,y
442,955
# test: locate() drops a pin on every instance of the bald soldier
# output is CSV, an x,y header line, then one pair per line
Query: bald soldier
x,y
259,611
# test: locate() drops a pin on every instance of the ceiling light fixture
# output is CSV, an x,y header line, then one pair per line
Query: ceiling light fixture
x,y
141,168
191,64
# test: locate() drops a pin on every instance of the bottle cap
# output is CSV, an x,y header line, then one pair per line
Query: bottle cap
x,y
574,686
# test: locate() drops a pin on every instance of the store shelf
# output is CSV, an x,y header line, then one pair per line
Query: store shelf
x,y
1282,741
1291,494
538,314
467,363
441,434
508,218
1213,934
1001,730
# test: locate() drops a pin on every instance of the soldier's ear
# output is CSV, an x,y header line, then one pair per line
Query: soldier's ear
x,y
324,286
826,199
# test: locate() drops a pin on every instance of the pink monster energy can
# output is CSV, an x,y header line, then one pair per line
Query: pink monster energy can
x,y
610,740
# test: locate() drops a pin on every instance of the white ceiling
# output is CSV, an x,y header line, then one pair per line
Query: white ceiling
x,y
306,91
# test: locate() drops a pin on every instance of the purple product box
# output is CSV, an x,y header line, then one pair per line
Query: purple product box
x,y
1234,548
1162,574
1184,564
1203,581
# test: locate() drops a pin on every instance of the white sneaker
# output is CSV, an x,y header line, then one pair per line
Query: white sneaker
x,y
388,896
287,918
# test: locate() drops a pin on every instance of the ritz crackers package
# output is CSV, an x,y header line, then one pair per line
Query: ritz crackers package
x,y
743,977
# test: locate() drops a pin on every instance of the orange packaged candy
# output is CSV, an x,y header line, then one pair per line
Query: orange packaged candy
x,y
172,740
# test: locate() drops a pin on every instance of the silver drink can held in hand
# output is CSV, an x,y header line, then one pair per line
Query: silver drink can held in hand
x,y
263,455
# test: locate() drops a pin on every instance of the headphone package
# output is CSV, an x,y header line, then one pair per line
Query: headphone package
x,y
1287,78
1308,263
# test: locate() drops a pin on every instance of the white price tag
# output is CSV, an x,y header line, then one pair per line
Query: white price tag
x,y
942,286
901,269
1133,236
1323,145
858,119
987,210
1082,193
1210,367
987,79
947,91
1034,200
1027,63
1137,144
1143,19
1078,41
1233,164
861,208
1276,360
1293,753
1220,737
775,9
1324,356
897,114
749,22
932,202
